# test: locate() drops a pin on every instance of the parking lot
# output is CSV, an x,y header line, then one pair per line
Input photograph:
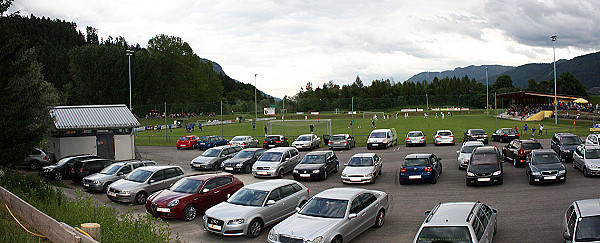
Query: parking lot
x,y
526,213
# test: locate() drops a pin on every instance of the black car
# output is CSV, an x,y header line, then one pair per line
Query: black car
x,y
545,166
517,150
485,166
60,170
564,144
87,167
243,160
316,165
475,135
505,134
272,141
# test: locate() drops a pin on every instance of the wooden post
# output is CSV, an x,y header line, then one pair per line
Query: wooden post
x,y
93,229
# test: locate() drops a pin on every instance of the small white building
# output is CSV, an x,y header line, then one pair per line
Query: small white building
x,y
103,130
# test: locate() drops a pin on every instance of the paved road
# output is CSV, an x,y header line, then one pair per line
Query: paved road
x,y
526,213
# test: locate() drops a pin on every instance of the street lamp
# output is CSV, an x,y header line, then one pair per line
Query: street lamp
x,y
555,101
255,106
129,54
487,92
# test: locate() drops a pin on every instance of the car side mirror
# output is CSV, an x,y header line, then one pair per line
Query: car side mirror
x,y
170,185
457,151
352,215
298,209
228,195
270,202
439,159
345,164
120,173
566,235
205,190
151,181
427,212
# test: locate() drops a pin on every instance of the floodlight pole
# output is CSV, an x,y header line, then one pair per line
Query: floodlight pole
x,y
255,106
487,92
221,118
283,115
555,101
352,113
129,54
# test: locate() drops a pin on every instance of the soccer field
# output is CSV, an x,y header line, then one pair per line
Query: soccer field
x,y
458,123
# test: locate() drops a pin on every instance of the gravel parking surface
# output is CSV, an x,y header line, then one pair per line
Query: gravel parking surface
x,y
526,213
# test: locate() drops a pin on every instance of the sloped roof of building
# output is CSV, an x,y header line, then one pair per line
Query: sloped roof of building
x,y
93,117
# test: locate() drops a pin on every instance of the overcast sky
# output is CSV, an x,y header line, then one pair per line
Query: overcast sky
x,y
289,43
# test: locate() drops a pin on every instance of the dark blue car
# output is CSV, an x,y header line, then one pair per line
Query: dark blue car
x,y
420,168
206,142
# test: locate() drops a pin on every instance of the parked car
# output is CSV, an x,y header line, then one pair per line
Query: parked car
x,y
420,167
464,154
362,168
36,159
593,139
564,144
206,142
254,207
273,141
517,150
382,138
187,141
485,166
415,138
143,181
83,168
505,134
580,223
243,160
316,165
475,135
468,222
344,141
587,159
334,215
544,166
244,141
443,137
212,158
307,141
276,162
192,195
60,170
101,180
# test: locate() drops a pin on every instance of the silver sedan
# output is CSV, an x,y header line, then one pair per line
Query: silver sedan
x,y
443,137
307,141
587,159
334,215
362,168
244,141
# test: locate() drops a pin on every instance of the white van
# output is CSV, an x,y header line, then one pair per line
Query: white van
x,y
382,138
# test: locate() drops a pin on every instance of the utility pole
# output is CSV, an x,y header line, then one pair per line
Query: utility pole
x,y
555,100
352,113
487,93
221,117
255,104
283,115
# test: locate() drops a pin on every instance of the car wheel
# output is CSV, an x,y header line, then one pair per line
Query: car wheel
x,y
380,219
402,182
247,169
468,183
574,165
495,226
254,228
58,176
337,239
585,172
280,174
530,179
178,148
34,165
514,159
325,174
189,213
215,166
500,182
105,187
140,198
337,168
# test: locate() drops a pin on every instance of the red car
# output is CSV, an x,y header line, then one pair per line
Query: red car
x,y
189,141
192,195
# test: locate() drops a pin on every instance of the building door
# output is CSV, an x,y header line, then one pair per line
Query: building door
x,y
105,146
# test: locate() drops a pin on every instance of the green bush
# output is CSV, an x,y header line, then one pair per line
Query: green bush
x,y
115,227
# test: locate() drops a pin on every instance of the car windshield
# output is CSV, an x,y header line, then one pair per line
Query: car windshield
x,y
484,159
271,157
248,197
361,161
532,146
570,140
377,135
211,153
272,138
545,159
445,234
110,170
238,139
203,139
415,134
416,162
139,175
244,154
337,137
325,208
587,229
313,159
188,186
444,133
592,153
478,132
509,131
184,138
63,161
303,138
469,149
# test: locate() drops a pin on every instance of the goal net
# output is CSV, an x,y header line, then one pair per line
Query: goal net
x,y
372,114
298,127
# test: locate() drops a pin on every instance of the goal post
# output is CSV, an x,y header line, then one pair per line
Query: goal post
x,y
298,127
369,114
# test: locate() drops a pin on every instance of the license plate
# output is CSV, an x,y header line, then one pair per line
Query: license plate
x,y
197,165
271,145
214,226
164,210
549,177
337,143
414,177
112,194
483,179
228,168
202,143
357,179
480,139
85,185
261,173
298,146
374,145
304,175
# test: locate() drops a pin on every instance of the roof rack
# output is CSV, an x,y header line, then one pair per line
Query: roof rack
x,y
471,212
430,215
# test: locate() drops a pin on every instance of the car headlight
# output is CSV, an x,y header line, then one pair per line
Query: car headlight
x,y
235,221
96,182
295,171
125,192
593,166
173,203
239,165
344,175
536,173
316,240
497,173
273,236
562,171
370,174
470,174
316,171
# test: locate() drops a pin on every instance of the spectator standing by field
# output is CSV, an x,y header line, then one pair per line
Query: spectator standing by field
x,y
541,129
373,123
532,131
253,126
266,130
312,127
517,129
525,127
